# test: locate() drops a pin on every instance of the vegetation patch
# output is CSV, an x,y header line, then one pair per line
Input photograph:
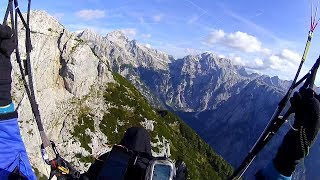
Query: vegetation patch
x,y
39,175
73,49
84,159
202,162
84,121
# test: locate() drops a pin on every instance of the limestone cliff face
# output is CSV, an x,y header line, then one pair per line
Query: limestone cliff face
x,y
65,70
119,50
70,81
126,57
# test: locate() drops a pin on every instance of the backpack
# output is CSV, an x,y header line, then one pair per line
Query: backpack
x,y
123,163
160,168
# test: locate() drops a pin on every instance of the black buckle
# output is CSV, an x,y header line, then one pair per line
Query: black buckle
x,y
59,166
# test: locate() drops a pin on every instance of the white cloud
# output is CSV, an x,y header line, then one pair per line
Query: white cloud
x,y
290,55
215,36
275,62
279,65
258,62
148,46
266,51
243,42
89,14
146,36
157,18
238,40
239,61
130,32
261,59
283,64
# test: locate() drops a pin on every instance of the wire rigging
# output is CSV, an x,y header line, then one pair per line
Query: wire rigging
x,y
48,149
15,15
277,120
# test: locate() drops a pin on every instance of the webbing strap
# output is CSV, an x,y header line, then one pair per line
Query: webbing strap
x,y
275,122
14,15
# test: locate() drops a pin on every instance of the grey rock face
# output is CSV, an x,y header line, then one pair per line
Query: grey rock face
x,y
231,106
69,81
233,127
119,50
126,56
203,81
64,70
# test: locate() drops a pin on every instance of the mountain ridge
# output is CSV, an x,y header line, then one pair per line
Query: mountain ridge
x,y
198,84
73,69
194,84
86,108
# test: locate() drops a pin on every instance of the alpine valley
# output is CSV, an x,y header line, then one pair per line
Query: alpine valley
x,y
91,88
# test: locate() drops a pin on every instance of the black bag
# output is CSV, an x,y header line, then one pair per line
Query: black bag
x,y
116,165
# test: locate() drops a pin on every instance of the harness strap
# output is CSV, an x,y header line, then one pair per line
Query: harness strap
x,y
15,13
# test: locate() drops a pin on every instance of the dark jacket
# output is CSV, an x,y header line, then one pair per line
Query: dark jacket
x,y
136,139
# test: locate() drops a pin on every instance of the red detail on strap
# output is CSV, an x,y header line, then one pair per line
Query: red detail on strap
x,y
53,163
314,21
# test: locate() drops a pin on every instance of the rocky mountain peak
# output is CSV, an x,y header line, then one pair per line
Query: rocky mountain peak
x,y
209,55
119,50
90,34
208,63
274,82
117,36
42,22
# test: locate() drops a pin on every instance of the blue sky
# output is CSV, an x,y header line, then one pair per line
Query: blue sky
x,y
265,36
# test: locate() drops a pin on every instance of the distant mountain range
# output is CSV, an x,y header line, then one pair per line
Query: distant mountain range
x,y
86,106
226,105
